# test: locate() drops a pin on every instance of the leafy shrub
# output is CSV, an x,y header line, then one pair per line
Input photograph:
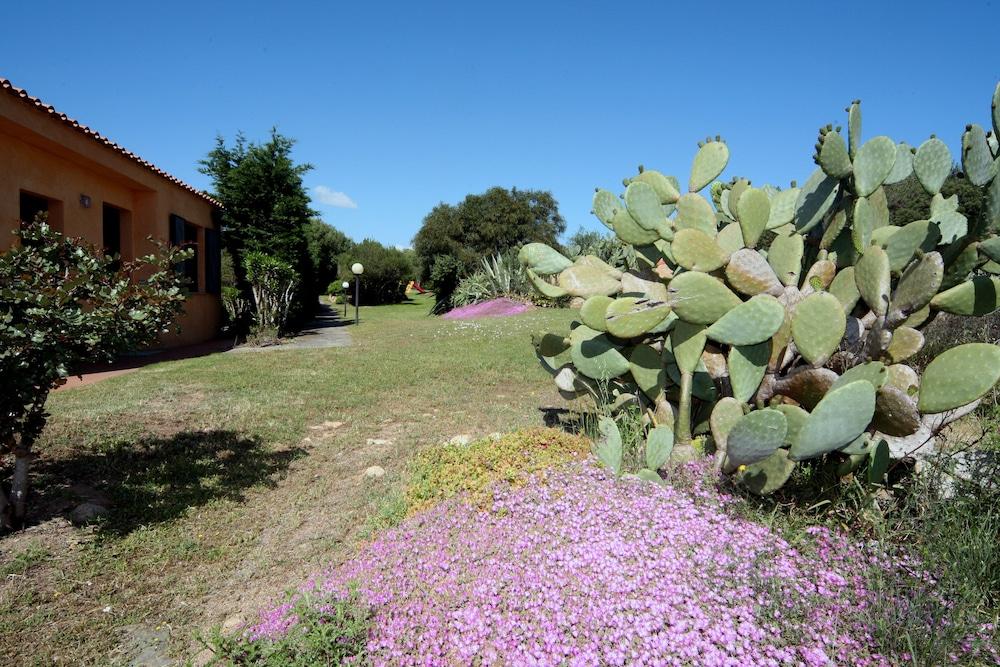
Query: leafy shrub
x,y
328,631
273,283
387,272
62,304
445,470
607,247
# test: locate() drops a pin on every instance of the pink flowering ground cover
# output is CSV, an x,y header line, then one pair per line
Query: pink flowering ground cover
x,y
577,568
493,308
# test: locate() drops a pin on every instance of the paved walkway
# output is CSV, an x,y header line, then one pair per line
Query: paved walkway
x,y
327,329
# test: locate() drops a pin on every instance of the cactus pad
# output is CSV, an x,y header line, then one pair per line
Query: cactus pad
x,y
785,257
687,342
648,372
608,446
542,259
543,287
871,275
747,365
872,164
765,477
782,208
756,436
694,212
699,298
842,415
815,199
905,343
643,204
709,162
817,327
959,376
895,412
749,273
749,323
977,160
595,355
932,164
754,212
832,156
979,296
697,251
659,444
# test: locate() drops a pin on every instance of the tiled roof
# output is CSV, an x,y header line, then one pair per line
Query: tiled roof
x,y
36,103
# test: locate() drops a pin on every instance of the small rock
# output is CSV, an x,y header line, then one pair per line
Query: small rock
x,y
379,441
576,303
85,513
232,623
375,472
461,440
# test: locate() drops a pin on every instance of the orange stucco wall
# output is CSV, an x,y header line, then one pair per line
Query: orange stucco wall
x,y
41,155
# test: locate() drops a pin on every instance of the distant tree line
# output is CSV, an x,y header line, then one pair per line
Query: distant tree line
x,y
454,239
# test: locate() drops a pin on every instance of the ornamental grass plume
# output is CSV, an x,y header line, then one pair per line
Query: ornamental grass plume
x,y
578,568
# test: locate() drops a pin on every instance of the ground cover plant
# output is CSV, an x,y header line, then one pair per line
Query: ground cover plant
x,y
780,323
575,567
195,456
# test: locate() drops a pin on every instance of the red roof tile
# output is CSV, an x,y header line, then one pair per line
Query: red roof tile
x,y
36,103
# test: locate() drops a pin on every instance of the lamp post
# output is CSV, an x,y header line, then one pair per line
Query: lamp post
x,y
357,270
346,285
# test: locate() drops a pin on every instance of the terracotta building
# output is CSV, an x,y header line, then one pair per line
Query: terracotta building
x,y
94,189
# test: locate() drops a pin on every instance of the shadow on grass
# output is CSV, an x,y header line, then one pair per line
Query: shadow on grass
x,y
155,480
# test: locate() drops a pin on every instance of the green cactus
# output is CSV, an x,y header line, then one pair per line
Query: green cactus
x,y
782,322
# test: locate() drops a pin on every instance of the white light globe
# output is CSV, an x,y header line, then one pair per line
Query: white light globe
x,y
345,284
357,269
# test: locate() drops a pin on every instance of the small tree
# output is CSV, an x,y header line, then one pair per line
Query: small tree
x,y
63,304
274,284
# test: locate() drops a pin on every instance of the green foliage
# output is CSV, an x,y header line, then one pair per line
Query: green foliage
x,y
63,304
458,236
499,276
273,284
266,207
387,272
328,631
808,297
325,244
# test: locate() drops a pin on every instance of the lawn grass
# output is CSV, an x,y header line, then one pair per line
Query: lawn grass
x,y
231,477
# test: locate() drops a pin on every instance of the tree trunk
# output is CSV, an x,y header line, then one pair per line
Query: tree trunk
x,y
19,487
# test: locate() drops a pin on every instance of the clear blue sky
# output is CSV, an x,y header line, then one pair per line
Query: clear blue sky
x,y
402,106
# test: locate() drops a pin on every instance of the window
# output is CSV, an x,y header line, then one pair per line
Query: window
x,y
183,233
32,205
111,233
213,261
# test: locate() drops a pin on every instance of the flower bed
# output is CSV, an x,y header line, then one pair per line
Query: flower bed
x,y
576,568
493,308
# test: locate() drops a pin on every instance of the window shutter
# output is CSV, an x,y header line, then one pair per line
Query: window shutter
x,y
213,262
176,230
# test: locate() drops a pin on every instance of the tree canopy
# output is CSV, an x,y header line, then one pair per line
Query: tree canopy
x,y
266,205
453,238
325,244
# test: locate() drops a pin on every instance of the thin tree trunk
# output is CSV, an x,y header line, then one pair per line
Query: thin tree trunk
x,y
19,487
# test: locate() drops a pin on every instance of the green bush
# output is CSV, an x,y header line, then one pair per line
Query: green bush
x,y
274,284
387,272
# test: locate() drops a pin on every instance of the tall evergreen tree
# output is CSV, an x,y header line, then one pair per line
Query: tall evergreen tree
x,y
266,205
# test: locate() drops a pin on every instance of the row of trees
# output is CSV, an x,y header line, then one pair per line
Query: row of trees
x,y
454,239
268,222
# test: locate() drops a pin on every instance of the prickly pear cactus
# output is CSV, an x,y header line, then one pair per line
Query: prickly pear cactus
x,y
780,322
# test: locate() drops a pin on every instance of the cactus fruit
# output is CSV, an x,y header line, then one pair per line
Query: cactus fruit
x,y
781,322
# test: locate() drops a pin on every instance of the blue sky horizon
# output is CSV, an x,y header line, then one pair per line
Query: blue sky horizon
x,y
401,106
